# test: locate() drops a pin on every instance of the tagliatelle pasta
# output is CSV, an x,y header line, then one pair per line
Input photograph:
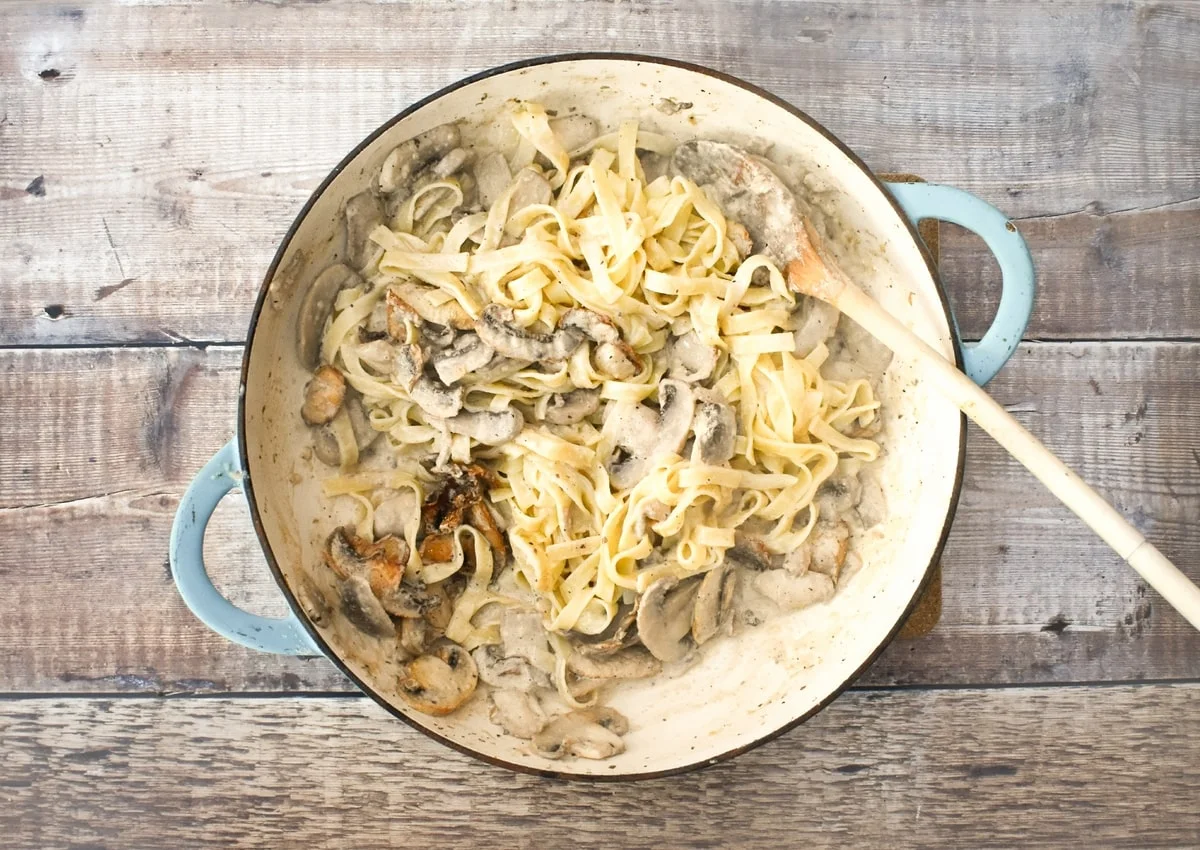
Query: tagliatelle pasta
x,y
631,300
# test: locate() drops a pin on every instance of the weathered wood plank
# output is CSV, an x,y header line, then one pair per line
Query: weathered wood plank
x,y
962,768
152,155
1030,595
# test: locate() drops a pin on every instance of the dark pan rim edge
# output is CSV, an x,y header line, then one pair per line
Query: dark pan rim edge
x,y
243,452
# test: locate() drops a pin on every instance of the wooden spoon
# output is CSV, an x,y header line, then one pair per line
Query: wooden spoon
x,y
821,279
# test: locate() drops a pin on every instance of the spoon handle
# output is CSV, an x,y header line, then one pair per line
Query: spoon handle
x,y
1171,583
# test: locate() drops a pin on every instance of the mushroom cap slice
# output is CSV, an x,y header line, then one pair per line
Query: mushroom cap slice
x,y
406,158
632,663
364,212
467,353
595,326
315,309
572,407
323,396
486,427
713,612
437,399
794,592
506,671
409,600
715,426
573,734
439,681
518,712
407,362
362,608
497,327
749,191
611,719
380,562
665,617
676,407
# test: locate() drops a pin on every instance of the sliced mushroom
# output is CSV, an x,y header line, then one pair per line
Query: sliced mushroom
x,y
751,553
715,427
379,354
574,734
530,189
486,427
611,719
632,663
408,361
617,360
665,617
497,327
713,611
439,616
633,428
654,165
399,314
432,306
364,212
794,592
829,541
691,359
409,599
467,354
440,681
312,601
748,191
519,713
381,562
480,516
839,494
798,561
620,633
437,399
325,446
497,369
361,607
676,407
323,396
590,323
818,325
365,434
574,131
315,309
741,239
404,161
492,177
506,671
414,635
450,164
572,407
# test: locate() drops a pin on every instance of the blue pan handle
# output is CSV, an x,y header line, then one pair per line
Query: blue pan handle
x,y
284,636
981,360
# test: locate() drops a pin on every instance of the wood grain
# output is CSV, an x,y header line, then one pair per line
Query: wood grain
x,y
1029,594
152,155
964,768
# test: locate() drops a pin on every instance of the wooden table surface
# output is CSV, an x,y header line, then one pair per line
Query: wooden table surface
x,y
152,155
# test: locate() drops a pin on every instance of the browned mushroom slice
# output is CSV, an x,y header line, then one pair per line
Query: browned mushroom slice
x,y
404,161
611,719
488,427
312,601
380,562
572,407
497,327
575,734
829,542
482,520
414,635
364,212
439,681
407,362
439,616
632,663
617,360
665,617
437,548
431,305
620,633
518,712
323,396
361,607
713,612
399,314
315,309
